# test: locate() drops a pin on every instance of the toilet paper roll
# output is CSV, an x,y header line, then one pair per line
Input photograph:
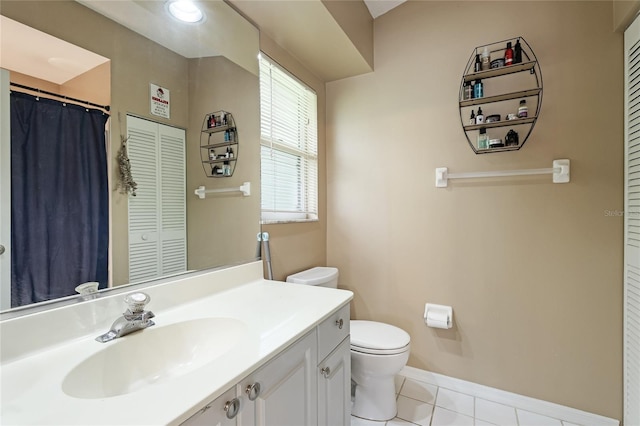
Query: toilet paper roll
x,y
438,320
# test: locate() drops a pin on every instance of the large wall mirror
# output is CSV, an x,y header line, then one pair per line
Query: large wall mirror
x,y
136,46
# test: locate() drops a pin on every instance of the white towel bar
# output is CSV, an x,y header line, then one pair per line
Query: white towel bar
x,y
560,172
245,188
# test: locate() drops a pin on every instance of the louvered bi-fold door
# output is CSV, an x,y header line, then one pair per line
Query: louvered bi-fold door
x,y
157,214
632,227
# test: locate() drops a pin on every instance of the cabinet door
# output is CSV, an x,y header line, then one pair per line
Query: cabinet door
x,y
288,388
334,387
215,413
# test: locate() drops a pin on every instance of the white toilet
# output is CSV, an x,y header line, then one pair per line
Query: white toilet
x,y
378,353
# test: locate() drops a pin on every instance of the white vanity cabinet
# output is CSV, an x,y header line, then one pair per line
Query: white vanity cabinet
x,y
334,387
306,384
215,413
287,394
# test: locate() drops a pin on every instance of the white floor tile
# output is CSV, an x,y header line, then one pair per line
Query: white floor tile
x,y
398,422
443,417
419,390
357,421
399,381
414,411
527,418
479,422
455,401
495,413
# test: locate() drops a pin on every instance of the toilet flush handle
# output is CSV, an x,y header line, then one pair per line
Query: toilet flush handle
x,y
340,323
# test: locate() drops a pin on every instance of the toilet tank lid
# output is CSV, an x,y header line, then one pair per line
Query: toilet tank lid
x,y
314,276
377,335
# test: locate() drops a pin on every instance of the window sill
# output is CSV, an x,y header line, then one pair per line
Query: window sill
x,y
284,221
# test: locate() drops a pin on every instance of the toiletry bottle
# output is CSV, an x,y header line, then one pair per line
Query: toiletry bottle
x,y
486,60
483,139
523,109
472,120
478,89
477,66
508,55
226,135
232,134
226,169
467,90
517,53
230,152
479,116
212,154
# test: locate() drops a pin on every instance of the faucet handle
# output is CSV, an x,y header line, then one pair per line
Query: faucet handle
x,y
137,301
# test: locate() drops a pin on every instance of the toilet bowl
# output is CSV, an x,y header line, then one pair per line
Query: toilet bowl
x,y
378,352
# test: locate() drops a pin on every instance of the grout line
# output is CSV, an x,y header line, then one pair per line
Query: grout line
x,y
433,408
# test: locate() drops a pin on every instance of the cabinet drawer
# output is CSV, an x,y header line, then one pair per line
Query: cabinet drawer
x,y
331,333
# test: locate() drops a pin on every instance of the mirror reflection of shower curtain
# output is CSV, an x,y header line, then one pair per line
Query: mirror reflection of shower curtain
x,y
59,198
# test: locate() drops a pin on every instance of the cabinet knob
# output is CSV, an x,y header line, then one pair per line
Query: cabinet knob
x,y
326,371
232,408
340,323
253,391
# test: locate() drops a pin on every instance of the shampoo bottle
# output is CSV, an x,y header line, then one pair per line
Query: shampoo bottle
x,y
479,116
508,55
483,139
486,61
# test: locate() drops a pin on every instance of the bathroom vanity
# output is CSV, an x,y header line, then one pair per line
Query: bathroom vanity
x,y
306,383
227,348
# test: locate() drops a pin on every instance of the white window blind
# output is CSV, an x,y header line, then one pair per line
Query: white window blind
x,y
289,146
632,227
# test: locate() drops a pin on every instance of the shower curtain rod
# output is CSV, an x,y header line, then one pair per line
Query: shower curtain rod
x,y
34,89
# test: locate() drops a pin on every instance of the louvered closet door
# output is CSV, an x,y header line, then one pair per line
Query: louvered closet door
x,y
632,227
157,214
173,242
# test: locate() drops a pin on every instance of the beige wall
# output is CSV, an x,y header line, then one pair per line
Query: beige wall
x,y
623,13
356,21
299,246
93,86
533,270
222,229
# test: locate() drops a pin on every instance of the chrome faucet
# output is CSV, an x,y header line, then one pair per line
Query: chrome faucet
x,y
133,319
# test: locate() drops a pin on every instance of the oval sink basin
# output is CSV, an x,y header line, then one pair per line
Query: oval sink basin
x,y
152,356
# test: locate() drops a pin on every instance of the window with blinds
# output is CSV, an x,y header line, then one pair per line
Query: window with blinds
x,y
289,146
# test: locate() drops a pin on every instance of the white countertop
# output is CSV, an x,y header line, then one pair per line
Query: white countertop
x,y
275,313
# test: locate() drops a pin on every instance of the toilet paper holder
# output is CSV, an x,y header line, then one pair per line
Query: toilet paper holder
x,y
438,316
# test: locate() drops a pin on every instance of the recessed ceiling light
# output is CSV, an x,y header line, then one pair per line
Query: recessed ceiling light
x,y
185,11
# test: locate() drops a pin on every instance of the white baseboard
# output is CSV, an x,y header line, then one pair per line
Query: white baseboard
x,y
511,399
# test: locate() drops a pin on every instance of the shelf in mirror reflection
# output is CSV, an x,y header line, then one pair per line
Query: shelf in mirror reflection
x,y
501,123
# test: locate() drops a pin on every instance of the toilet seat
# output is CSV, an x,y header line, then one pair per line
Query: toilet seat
x,y
378,338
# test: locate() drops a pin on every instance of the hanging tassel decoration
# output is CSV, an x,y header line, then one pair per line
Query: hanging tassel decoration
x,y
126,184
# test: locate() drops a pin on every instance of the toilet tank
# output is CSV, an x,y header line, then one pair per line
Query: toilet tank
x,y
323,276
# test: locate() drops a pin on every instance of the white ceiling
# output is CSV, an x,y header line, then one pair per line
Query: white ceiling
x,y
380,7
32,52
35,53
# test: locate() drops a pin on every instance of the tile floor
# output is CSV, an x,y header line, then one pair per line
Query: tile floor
x,y
425,404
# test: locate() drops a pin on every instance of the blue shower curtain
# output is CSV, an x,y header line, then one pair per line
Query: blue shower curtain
x,y
59,198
